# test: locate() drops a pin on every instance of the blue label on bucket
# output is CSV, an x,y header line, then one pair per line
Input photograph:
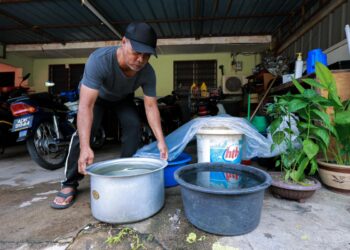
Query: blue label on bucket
x,y
228,153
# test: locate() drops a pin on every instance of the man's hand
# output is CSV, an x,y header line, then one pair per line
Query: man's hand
x,y
86,158
163,149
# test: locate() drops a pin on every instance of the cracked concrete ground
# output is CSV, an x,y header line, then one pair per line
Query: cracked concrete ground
x,y
28,222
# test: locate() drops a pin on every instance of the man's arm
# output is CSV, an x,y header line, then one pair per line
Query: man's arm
x,y
87,100
153,118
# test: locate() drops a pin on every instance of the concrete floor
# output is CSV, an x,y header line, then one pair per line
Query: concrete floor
x,y
28,222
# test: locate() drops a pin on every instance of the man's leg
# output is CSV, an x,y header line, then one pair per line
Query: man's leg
x,y
70,184
130,124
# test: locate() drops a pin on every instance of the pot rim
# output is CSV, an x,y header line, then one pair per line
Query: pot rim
x,y
162,164
323,162
295,187
266,183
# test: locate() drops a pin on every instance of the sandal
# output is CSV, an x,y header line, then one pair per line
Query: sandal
x,y
72,194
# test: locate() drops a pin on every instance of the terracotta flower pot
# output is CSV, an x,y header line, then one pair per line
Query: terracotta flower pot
x,y
335,177
292,191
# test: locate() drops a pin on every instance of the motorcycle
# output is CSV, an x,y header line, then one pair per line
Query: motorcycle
x,y
6,119
43,122
170,116
70,100
46,122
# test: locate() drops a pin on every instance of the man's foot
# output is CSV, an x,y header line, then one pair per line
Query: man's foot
x,y
64,198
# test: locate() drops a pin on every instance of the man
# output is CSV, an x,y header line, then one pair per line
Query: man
x,y
111,76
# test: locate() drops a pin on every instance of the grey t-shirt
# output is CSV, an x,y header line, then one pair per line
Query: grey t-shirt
x,y
102,72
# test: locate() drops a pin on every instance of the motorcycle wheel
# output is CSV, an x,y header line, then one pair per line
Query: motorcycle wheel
x,y
37,146
99,139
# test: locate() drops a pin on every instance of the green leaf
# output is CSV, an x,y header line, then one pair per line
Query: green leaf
x,y
305,125
313,83
323,115
310,94
310,148
324,75
288,160
287,175
296,104
299,174
333,96
270,108
298,86
273,146
342,118
322,134
324,102
327,80
278,163
278,137
314,167
275,124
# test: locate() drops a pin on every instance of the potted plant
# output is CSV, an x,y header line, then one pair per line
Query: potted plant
x,y
301,129
334,168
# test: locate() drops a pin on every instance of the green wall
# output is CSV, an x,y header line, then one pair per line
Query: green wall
x,y
41,70
163,66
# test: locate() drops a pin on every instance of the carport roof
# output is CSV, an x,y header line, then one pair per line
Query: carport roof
x,y
67,21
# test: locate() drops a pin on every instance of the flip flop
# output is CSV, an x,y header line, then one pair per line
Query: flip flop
x,y
65,196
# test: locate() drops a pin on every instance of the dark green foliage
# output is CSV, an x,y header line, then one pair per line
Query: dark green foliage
x,y
316,127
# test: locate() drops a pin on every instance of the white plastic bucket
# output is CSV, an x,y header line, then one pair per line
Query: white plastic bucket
x,y
218,144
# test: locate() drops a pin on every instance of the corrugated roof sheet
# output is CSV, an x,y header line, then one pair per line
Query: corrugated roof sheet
x,y
49,21
44,21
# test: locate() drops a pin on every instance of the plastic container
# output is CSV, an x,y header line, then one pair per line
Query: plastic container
x,y
260,123
182,160
298,72
314,56
234,210
219,144
194,90
204,90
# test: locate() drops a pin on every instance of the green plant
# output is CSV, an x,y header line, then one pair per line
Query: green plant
x,y
124,233
314,125
340,115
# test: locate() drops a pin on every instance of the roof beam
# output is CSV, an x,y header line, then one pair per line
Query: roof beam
x,y
161,42
101,17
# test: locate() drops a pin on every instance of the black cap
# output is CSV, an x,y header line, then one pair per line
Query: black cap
x,y
142,37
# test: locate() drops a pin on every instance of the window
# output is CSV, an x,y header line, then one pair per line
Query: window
x,y
65,76
188,72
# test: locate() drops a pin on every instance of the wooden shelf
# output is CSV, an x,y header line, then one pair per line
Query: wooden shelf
x,y
342,78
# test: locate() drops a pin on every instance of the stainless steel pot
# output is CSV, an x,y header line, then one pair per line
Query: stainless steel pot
x,y
126,190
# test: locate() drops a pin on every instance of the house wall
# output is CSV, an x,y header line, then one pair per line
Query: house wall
x,y
163,66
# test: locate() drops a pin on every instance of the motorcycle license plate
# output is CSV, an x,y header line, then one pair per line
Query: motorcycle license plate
x,y
22,123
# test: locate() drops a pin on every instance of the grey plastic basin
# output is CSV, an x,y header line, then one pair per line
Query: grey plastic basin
x,y
231,206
